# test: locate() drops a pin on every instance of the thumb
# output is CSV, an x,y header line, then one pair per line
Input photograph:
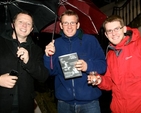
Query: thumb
x,y
53,41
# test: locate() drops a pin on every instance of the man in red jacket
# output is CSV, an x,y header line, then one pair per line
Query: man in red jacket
x,y
123,75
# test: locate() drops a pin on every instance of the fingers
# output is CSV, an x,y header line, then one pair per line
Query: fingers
x,y
12,83
50,48
8,81
51,52
14,77
22,53
93,78
53,41
81,65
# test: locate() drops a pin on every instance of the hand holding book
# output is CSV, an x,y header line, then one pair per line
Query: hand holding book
x,y
81,65
68,65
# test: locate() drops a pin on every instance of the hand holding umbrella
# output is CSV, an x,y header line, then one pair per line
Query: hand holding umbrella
x,y
49,51
22,53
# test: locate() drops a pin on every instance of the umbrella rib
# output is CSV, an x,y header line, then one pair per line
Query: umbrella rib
x,y
36,4
65,1
9,2
5,3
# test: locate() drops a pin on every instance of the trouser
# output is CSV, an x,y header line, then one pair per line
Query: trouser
x,y
92,107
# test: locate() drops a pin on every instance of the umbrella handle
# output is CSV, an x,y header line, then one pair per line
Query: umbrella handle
x,y
51,64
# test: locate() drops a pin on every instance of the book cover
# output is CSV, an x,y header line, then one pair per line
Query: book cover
x,y
68,65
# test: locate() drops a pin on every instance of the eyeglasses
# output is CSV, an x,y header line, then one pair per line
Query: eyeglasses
x,y
67,23
115,30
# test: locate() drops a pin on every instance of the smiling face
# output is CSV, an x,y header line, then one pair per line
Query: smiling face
x,y
69,24
115,32
23,25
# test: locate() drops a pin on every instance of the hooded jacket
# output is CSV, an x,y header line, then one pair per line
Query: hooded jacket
x,y
27,73
77,90
123,74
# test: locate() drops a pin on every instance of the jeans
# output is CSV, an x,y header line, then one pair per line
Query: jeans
x,y
92,107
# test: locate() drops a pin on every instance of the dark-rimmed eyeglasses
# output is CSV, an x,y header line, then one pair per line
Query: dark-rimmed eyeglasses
x,y
117,29
69,23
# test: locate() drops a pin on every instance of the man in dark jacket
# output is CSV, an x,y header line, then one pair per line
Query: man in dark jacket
x,y
20,54
74,94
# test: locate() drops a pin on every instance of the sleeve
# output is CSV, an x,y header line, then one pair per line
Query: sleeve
x,y
106,83
97,61
51,63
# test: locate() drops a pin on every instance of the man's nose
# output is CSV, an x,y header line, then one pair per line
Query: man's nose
x,y
24,24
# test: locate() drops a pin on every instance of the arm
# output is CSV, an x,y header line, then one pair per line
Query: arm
x,y
35,66
96,61
103,82
93,58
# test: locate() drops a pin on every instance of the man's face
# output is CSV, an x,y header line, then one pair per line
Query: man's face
x,y
115,32
23,25
69,25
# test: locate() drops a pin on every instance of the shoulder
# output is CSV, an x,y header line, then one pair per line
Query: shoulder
x,y
88,37
58,40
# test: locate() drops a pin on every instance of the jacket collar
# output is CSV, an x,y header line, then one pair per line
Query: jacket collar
x,y
79,34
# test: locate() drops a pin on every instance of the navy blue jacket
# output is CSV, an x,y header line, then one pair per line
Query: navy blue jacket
x,y
88,48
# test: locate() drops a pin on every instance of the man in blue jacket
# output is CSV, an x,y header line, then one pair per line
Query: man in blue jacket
x,y
74,94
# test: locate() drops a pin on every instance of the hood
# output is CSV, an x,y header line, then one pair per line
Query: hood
x,y
7,34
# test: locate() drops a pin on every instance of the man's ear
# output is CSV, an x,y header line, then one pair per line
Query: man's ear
x,y
60,24
78,25
106,34
125,29
12,25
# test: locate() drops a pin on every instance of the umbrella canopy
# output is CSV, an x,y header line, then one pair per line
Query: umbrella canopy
x,y
43,12
91,18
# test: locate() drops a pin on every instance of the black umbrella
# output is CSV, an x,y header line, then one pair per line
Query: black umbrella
x,y
44,12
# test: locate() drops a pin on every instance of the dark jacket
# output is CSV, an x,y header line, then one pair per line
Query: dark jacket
x,y
33,70
77,90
